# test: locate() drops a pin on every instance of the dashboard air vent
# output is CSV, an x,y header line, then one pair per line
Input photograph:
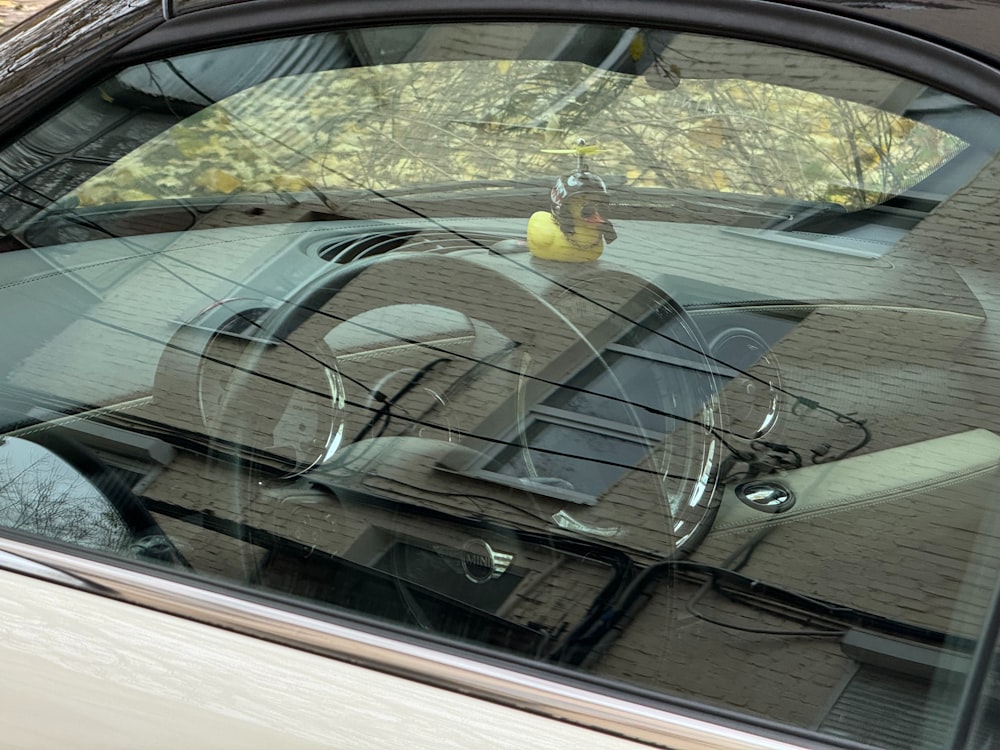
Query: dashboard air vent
x,y
347,249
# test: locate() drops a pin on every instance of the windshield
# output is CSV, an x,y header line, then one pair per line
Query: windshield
x,y
389,127
653,114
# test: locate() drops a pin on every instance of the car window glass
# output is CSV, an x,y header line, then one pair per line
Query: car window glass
x,y
42,494
666,358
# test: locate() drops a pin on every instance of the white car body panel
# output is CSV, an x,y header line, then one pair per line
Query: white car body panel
x,y
83,671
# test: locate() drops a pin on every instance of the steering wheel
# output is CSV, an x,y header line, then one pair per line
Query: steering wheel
x,y
513,368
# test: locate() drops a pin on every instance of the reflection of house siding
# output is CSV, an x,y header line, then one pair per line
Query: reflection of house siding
x,y
909,374
783,678
111,350
897,342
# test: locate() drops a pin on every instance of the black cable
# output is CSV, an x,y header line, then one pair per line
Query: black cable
x,y
711,583
578,644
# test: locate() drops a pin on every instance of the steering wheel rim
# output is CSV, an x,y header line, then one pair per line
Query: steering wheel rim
x,y
520,307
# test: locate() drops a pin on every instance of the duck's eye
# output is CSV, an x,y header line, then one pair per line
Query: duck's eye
x,y
588,210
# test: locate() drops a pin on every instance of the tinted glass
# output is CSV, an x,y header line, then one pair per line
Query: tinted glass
x,y
667,358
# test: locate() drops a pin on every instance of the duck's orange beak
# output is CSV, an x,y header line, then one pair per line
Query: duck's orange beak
x,y
606,227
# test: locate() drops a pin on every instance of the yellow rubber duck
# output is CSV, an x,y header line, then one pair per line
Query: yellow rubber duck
x,y
575,229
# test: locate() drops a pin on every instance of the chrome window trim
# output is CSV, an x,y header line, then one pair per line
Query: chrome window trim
x,y
17,563
480,679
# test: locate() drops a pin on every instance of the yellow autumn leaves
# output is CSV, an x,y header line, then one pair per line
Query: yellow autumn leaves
x,y
384,127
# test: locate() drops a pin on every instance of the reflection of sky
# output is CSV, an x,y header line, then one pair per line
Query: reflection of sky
x,y
42,494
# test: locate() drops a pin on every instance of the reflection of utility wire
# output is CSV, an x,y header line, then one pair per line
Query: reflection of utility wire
x,y
382,411
425,345
183,79
251,321
73,157
19,181
387,403
387,197
411,420
384,195
697,349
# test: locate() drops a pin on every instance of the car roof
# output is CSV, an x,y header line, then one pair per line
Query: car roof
x,y
970,24
967,24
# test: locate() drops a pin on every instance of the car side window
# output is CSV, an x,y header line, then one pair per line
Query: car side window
x,y
664,357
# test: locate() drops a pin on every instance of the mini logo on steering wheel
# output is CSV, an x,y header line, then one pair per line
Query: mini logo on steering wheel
x,y
481,563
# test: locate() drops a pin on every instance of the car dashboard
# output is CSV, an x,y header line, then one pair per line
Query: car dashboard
x,y
625,467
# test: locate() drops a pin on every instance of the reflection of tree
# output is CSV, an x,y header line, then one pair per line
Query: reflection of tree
x,y
762,139
40,495
406,124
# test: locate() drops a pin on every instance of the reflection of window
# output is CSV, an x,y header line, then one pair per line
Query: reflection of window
x,y
587,434
136,459
42,494
407,585
441,570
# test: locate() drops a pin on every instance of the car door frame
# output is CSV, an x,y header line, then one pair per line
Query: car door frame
x,y
549,691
